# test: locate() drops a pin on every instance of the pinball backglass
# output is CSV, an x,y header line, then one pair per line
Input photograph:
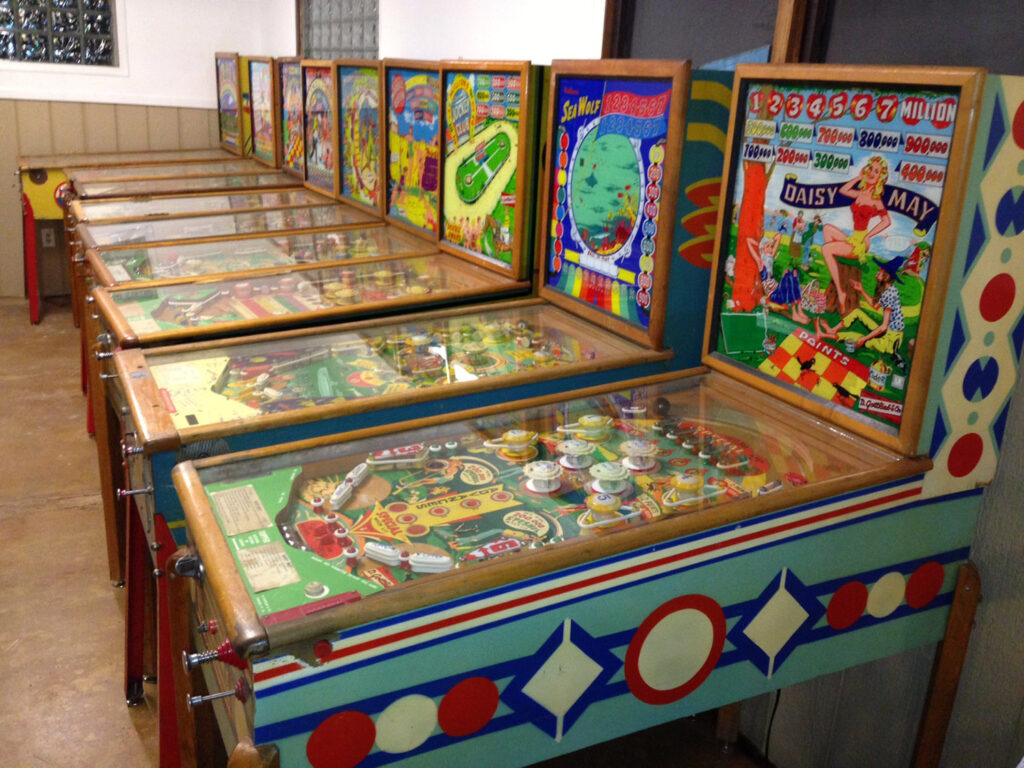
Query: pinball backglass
x,y
413,143
263,97
614,141
361,132
320,100
293,145
842,198
229,102
487,119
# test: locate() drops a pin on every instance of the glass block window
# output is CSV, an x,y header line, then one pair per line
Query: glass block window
x,y
339,29
58,31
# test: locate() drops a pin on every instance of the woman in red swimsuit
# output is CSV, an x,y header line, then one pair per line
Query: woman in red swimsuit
x,y
845,254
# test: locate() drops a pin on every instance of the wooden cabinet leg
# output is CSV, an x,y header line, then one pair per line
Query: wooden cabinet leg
x,y
949,663
104,425
246,755
727,724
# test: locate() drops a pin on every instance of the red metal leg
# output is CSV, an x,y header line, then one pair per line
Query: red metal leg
x,y
137,574
31,260
83,361
166,692
90,330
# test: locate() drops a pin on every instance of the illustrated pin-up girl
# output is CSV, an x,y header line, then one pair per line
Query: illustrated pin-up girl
x,y
785,292
845,254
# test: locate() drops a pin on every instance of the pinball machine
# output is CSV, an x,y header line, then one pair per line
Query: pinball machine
x,y
224,184
182,203
118,249
218,396
522,580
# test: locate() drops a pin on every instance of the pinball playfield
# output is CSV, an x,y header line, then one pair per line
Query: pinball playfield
x,y
221,225
221,383
266,180
324,531
158,313
166,171
91,212
166,262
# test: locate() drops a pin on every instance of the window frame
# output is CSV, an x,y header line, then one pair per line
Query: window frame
x,y
302,8
118,11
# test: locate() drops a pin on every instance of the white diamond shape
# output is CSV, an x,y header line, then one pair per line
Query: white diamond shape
x,y
776,622
562,679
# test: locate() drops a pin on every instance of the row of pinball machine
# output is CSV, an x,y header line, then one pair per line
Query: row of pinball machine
x,y
474,412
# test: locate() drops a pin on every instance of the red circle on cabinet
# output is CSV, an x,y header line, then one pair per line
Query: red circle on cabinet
x,y
965,454
847,605
468,706
341,741
924,584
1018,126
997,297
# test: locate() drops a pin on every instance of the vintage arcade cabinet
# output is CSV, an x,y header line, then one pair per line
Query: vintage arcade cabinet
x,y
377,372
553,573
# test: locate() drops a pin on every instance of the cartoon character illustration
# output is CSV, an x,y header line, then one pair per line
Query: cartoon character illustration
x,y
796,239
886,336
845,254
918,259
783,293
763,253
292,139
807,240
730,268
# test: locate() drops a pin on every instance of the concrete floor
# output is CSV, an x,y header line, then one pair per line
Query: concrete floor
x,y
61,621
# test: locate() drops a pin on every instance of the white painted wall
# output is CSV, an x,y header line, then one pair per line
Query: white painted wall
x,y
166,53
537,30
